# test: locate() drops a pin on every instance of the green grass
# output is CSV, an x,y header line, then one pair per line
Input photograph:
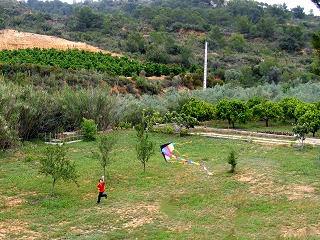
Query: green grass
x,y
274,193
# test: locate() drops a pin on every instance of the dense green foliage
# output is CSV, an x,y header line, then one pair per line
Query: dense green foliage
x,y
28,60
233,111
267,111
89,128
200,110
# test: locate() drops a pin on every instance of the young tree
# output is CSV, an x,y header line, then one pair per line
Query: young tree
x,y
232,160
106,144
144,147
55,164
301,130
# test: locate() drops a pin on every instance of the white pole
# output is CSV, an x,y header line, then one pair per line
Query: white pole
x,y
205,66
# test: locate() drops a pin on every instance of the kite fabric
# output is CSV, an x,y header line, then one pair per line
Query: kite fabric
x,y
167,152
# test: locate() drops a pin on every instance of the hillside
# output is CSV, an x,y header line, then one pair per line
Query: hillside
x,y
12,40
250,43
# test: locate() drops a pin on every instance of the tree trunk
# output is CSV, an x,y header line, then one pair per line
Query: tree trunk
x,y
144,167
267,122
52,188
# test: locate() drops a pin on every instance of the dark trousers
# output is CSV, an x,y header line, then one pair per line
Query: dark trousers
x,y
101,194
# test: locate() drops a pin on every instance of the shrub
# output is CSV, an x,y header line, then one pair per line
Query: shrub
x,y
124,125
169,130
89,128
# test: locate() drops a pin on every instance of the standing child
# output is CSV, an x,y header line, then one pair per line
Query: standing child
x,y
100,187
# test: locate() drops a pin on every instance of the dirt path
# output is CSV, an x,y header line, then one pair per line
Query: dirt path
x,y
261,138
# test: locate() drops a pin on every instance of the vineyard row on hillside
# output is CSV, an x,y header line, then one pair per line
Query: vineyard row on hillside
x,y
23,60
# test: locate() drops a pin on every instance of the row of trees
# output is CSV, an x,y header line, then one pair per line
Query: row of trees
x,y
235,111
25,113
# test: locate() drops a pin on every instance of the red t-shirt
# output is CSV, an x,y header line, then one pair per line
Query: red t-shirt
x,y
100,186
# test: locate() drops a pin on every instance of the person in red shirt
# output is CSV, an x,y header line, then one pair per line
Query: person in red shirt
x,y
100,187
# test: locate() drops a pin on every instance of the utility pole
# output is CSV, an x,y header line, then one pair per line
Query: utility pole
x,y
205,66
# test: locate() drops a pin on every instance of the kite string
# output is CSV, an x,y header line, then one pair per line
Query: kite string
x,y
179,159
180,144
183,155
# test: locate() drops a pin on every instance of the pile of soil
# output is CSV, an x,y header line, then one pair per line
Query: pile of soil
x,y
12,40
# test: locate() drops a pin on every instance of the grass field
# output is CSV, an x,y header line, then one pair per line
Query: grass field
x,y
274,193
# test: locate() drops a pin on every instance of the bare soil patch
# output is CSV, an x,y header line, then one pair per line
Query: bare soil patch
x,y
136,216
264,185
13,40
300,233
15,227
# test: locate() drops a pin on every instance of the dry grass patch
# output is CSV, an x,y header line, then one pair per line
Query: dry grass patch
x,y
263,185
299,192
139,215
300,233
15,200
18,229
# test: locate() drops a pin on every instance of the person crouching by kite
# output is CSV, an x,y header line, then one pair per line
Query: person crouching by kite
x,y
100,187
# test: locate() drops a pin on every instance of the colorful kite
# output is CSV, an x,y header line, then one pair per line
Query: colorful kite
x,y
167,152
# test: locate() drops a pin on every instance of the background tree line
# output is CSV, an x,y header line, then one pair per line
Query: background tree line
x,y
26,112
